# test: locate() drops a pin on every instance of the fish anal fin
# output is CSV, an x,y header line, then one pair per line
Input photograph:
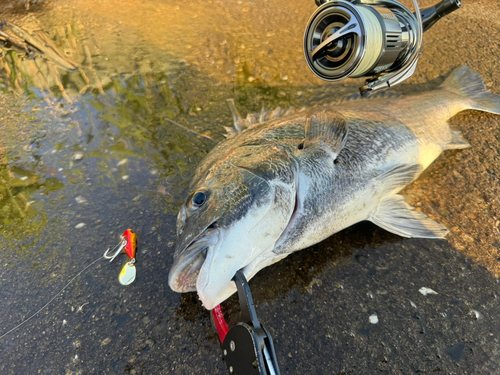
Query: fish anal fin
x,y
457,141
326,128
396,216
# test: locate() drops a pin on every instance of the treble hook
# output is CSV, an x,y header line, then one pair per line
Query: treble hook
x,y
111,257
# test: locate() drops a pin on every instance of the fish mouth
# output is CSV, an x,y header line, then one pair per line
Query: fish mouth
x,y
186,268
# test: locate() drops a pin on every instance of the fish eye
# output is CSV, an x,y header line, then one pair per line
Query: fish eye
x,y
199,199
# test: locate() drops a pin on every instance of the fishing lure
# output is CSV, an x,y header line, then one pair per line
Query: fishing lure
x,y
128,244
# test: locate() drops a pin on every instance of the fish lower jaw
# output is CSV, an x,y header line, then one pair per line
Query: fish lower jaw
x,y
185,282
210,303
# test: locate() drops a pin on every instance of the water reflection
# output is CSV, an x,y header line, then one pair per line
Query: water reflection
x,y
89,144
161,117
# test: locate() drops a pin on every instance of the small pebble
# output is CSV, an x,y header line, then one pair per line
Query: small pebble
x,y
78,226
80,200
474,315
426,291
125,177
77,156
373,319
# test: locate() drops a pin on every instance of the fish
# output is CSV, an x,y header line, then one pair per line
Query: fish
x,y
283,181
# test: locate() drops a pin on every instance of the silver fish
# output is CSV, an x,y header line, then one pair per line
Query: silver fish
x,y
283,181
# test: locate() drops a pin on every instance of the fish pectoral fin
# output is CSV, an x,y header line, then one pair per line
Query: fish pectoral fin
x,y
396,178
396,216
326,128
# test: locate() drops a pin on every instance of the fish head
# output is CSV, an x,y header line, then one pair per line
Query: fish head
x,y
237,209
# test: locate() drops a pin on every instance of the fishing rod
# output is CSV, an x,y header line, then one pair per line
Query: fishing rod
x,y
380,40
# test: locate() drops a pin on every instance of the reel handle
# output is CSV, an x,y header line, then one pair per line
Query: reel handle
x,y
432,14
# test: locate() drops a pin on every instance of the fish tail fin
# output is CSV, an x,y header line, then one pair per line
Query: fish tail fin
x,y
468,83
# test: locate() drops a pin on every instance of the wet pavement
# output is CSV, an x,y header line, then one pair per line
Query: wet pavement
x,y
112,145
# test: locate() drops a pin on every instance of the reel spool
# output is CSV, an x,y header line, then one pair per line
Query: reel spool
x,y
381,40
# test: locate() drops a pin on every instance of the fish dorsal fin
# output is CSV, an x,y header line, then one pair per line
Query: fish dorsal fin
x,y
264,115
357,97
398,217
326,128
252,119
239,122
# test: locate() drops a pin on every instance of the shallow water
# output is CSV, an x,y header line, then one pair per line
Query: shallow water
x,y
112,145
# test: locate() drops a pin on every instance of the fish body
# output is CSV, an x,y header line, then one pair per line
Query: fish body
x,y
284,181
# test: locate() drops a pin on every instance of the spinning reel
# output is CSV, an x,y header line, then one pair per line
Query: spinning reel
x,y
380,39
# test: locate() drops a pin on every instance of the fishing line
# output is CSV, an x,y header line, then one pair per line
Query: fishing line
x,y
373,41
58,293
